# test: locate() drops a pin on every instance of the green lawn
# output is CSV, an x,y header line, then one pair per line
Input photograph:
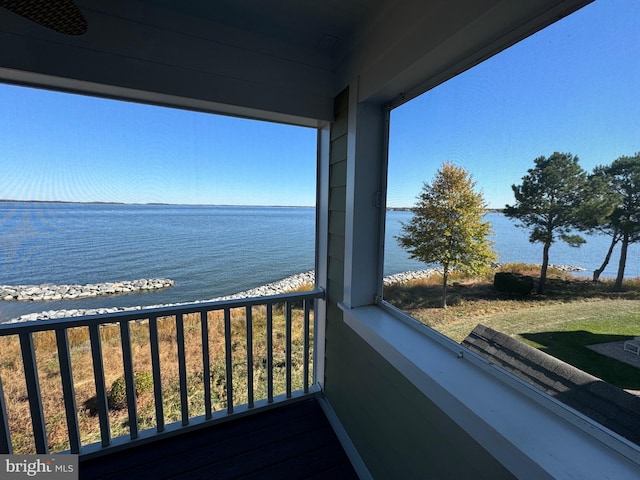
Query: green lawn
x,y
572,315
564,331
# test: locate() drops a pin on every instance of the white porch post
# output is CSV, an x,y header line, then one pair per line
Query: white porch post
x,y
322,250
365,200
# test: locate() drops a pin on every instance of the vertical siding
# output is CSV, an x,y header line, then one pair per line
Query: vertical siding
x,y
336,243
337,201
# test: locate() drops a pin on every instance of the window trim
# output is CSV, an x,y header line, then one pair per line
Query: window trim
x,y
559,439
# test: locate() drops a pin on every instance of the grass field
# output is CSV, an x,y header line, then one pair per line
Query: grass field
x,y
572,314
11,372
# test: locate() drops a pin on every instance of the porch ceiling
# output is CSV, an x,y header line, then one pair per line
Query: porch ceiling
x,y
282,60
316,26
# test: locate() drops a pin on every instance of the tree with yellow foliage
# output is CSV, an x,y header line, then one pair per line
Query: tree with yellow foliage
x,y
448,226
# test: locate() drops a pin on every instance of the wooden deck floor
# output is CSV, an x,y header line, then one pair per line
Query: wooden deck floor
x,y
289,442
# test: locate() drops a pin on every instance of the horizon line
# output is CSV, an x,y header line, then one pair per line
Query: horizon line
x,y
99,202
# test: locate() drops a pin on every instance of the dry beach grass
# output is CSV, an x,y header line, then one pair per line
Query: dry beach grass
x,y
50,383
573,314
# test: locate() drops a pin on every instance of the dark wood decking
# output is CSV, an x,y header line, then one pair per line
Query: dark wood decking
x,y
287,442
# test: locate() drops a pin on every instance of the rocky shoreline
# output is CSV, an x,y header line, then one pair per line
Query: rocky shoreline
x,y
51,292
407,276
281,286
285,285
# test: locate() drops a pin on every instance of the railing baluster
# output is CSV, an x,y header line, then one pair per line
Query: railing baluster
x,y
228,359
6,447
25,332
68,392
33,392
287,334
155,367
182,369
249,321
206,365
101,389
305,352
269,353
129,378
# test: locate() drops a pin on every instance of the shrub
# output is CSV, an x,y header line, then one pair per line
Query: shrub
x,y
514,283
117,395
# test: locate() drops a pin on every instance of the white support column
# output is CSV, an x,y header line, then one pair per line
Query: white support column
x,y
366,164
322,249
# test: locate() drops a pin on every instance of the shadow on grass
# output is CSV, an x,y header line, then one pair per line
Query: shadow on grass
x,y
571,347
595,398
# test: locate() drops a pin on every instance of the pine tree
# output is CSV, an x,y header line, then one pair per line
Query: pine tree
x,y
448,227
624,178
549,202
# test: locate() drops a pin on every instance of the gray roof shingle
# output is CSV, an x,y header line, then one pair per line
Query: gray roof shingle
x,y
607,404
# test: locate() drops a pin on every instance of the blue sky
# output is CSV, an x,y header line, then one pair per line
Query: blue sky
x,y
77,148
573,87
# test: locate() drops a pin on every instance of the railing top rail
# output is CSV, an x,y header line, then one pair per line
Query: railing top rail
x,y
145,313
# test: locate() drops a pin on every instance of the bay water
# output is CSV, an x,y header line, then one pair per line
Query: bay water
x,y
209,251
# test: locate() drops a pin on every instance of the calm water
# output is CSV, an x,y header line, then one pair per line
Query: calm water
x,y
209,251
512,245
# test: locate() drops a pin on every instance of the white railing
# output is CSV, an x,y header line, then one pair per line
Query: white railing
x,y
236,321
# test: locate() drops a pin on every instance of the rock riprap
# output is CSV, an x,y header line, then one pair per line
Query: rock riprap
x,y
51,292
404,277
285,285
288,284
281,286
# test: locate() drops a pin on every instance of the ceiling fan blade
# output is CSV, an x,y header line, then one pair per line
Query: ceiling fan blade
x,y
62,16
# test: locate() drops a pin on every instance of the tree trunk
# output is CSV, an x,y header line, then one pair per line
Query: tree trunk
x,y
598,272
543,270
623,261
445,277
